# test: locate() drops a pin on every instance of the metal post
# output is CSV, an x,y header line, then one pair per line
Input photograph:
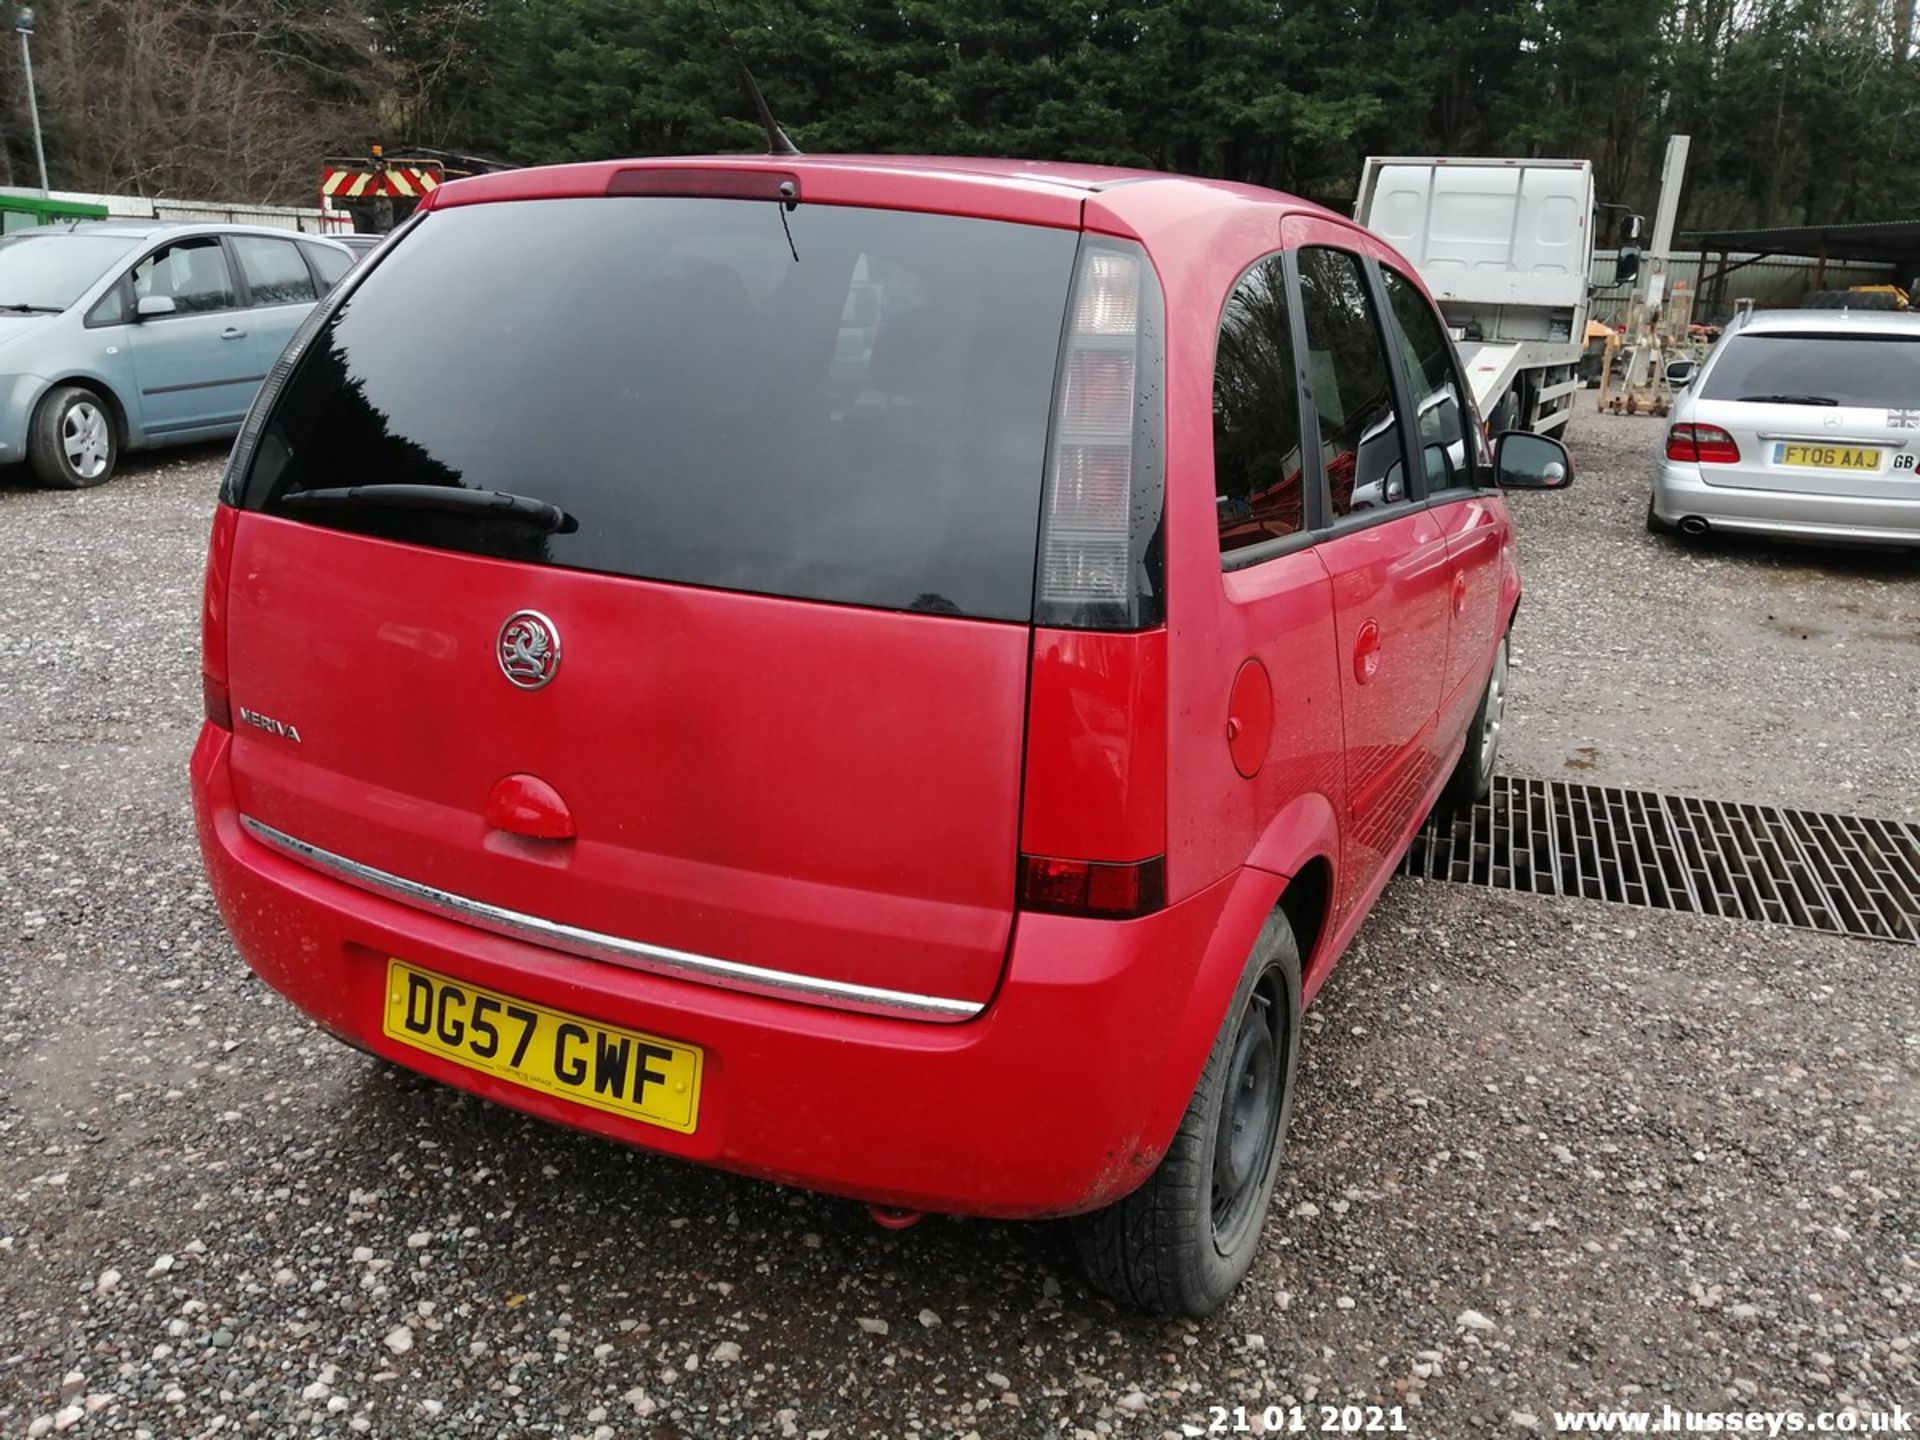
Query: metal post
x,y
1672,175
23,22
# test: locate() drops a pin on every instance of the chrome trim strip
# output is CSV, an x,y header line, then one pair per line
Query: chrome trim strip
x,y
594,945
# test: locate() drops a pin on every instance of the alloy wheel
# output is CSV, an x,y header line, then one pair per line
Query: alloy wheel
x,y
1495,710
85,440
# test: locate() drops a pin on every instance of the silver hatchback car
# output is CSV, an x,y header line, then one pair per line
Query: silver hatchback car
x,y
119,335
1803,424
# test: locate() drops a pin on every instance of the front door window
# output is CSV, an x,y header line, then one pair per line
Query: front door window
x,y
1351,386
192,273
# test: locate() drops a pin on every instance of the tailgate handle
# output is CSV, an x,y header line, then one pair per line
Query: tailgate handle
x,y
527,805
1366,653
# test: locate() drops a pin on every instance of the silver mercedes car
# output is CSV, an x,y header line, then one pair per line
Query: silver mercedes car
x,y
1802,424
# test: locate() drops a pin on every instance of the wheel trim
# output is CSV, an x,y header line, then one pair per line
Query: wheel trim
x,y
1494,712
1247,1132
85,440
1248,1109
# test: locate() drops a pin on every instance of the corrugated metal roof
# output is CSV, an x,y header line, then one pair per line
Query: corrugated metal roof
x,y
1884,240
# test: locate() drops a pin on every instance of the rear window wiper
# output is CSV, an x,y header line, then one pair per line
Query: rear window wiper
x,y
1788,400
450,499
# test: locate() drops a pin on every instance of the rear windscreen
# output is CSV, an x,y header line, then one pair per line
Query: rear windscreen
x,y
1818,369
865,423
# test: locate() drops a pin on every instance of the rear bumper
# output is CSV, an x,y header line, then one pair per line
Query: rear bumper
x,y
1059,1098
1679,492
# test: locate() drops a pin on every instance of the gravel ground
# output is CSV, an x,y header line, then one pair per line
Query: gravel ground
x,y
1737,670
1546,1153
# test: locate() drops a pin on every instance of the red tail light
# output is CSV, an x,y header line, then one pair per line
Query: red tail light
x,y
1702,445
1096,767
219,708
213,618
1089,888
1100,564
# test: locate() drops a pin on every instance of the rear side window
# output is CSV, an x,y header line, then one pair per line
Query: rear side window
x,y
1258,492
276,275
1427,356
330,264
866,423
1873,371
1348,379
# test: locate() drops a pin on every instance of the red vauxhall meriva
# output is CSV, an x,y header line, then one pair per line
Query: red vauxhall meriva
x,y
893,676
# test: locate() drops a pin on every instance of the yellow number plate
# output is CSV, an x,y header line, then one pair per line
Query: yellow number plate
x,y
620,1071
1827,457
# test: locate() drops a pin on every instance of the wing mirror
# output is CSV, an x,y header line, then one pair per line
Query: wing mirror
x,y
148,306
1525,461
1680,373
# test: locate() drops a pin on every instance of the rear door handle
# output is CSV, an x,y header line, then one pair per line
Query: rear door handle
x,y
232,333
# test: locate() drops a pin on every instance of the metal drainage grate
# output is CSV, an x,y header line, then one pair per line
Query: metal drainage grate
x,y
1840,873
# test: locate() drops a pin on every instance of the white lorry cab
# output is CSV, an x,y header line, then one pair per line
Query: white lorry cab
x,y
1506,247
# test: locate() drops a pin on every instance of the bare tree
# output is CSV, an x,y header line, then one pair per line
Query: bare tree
x,y
226,99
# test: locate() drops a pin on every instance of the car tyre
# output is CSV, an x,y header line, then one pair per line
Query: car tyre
x,y
1183,1241
1657,526
1472,778
73,444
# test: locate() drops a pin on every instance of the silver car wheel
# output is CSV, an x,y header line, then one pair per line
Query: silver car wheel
x,y
84,438
1494,710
